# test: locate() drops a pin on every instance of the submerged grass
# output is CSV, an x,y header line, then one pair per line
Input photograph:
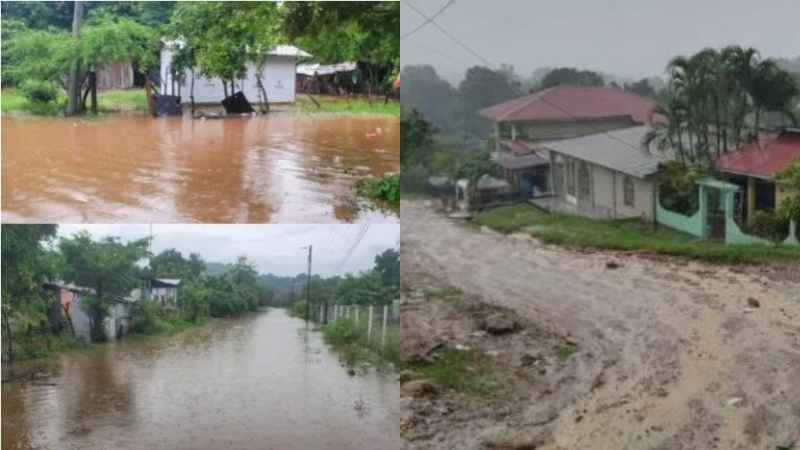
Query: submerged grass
x,y
14,102
354,345
341,105
581,232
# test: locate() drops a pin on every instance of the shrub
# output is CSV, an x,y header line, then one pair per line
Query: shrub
x,y
386,188
146,317
768,225
414,179
341,333
678,187
38,91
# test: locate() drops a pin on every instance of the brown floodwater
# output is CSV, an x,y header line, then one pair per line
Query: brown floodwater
x,y
250,383
283,168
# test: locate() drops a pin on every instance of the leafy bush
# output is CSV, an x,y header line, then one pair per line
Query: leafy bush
x,y
414,179
299,309
38,91
678,187
341,333
768,225
146,317
386,188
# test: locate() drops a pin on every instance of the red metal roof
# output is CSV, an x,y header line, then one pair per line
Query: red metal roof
x,y
566,102
763,158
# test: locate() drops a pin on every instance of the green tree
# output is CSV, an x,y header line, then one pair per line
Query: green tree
x,y
481,88
107,266
790,206
641,87
570,76
416,138
24,269
428,94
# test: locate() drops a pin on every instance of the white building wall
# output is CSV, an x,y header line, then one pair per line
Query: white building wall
x,y
279,77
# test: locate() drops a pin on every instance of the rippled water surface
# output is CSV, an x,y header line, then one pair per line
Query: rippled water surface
x,y
281,168
250,383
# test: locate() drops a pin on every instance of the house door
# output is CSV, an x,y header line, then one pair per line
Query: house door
x,y
526,185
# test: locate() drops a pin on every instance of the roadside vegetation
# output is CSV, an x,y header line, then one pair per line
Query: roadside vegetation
x,y
343,106
105,269
636,236
348,336
386,188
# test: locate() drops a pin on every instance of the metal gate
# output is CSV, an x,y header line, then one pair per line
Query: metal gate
x,y
716,215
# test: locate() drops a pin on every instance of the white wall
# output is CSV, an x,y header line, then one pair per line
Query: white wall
x,y
279,77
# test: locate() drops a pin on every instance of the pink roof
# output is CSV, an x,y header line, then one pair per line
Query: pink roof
x,y
764,158
565,102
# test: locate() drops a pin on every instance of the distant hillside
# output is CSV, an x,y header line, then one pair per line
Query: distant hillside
x,y
277,284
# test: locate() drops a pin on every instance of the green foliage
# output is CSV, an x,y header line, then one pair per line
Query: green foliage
x,y
717,100
299,309
678,188
481,88
353,343
341,333
635,236
570,76
416,138
414,179
38,91
768,225
385,188
430,96
464,371
790,206
146,317
367,288
641,87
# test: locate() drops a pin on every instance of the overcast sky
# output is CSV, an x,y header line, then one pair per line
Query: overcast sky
x,y
630,38
274,249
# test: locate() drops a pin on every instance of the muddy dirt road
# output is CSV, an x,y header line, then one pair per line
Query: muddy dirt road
x,y
672,357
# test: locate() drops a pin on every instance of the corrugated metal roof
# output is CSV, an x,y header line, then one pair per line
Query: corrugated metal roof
x,y
514,162
571,102
280,50
762,159
319,69
620,150
171,281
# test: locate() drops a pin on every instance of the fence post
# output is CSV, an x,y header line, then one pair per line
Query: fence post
x,y
369,324
347,312
356,316
385,317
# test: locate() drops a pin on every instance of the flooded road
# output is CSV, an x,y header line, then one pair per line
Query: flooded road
x,y
673,355
236,384
281,168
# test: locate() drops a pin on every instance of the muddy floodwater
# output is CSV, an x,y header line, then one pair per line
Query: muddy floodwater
x,y
250,383
282,168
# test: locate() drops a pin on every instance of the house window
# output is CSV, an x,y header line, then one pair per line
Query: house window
x,y
628,192
584,181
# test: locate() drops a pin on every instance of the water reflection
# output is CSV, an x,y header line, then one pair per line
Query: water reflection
x,y
280,168
239,384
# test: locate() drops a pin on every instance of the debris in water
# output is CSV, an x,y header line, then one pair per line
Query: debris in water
x,y
753,303
612,265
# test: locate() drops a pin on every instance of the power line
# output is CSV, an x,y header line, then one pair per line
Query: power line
x,y
489,64
447,33
360,236
427,21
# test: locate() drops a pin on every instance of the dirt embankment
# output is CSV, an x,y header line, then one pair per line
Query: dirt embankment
x,y
671,354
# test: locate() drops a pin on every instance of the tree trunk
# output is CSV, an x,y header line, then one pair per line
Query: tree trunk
x,y
93,86
73,88
191,92
9,337
69,320
265,104
225,87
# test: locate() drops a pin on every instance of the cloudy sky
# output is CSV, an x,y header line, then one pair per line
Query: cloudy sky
x,y
630,38
274,249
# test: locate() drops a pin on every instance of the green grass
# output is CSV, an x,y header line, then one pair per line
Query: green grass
x,y
563,351
13,102
339,105
463,371
580,232
36,347
354,345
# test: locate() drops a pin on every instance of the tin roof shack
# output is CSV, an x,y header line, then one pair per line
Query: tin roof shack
x,y
69,314
163,290
328,79
279,78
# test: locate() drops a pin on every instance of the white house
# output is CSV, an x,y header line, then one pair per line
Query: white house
x,y
164,290
279,78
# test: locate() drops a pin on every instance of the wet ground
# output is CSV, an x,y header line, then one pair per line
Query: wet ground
x,y
674,354
281,168
250,383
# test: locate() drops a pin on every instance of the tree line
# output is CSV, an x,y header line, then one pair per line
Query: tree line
x,y
44,52
107,268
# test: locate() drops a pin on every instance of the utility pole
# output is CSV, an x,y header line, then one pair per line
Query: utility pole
x,y
73,89
308,286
